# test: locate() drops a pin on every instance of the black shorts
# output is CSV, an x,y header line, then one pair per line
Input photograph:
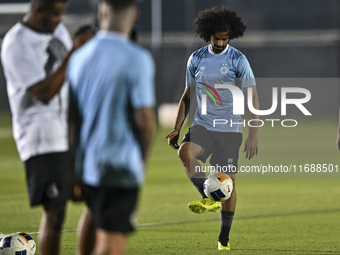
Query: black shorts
x,y
112,209
222,146
48,179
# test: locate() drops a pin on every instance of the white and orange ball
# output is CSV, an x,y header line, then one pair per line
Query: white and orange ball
x,y
19,243
218,186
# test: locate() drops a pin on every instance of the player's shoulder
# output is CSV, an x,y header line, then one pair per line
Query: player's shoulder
x,y
61,29
236,56
15,35
62,33
198,54
16,41
137,49
235,52
139,54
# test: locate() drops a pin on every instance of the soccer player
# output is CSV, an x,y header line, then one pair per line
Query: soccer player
x,y
111,124
215,131
34,55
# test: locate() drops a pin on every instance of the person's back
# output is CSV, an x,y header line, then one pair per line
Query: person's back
x,y
111,126
34,56
107,81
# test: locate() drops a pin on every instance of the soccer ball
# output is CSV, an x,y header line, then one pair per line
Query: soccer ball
x,y
218,186
17,244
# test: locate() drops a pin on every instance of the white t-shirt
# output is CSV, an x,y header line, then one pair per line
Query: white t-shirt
x,y
28,57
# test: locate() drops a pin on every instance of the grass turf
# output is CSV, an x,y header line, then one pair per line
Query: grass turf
x,y
273,216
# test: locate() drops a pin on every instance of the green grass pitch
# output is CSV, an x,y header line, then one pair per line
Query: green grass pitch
x,y
273,215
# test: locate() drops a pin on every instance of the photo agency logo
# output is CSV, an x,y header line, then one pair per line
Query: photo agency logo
x,y
238,105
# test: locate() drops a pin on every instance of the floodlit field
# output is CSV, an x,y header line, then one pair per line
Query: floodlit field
x,y
273,216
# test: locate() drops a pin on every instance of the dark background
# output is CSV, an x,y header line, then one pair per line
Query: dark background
x,y
284,39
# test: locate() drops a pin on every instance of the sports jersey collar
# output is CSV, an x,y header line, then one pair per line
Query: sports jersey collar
x,y
224,51
33,35
34,30
112,34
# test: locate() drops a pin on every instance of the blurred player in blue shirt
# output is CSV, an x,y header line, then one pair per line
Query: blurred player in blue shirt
x,y
112,122
216,131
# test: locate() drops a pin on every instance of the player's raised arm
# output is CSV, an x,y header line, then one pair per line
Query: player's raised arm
x,y
183,109
46,89
251,146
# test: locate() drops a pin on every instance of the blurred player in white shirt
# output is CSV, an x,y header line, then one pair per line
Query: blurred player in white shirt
x,y
34,56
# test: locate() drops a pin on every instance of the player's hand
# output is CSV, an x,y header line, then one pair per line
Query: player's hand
x,y
250,147
173,139
81,36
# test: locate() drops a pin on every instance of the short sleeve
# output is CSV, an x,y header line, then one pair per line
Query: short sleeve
x,y
245,73
22,65
142,93
190,74
62,33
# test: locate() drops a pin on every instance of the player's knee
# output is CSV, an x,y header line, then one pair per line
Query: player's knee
x,y
55,217
184,153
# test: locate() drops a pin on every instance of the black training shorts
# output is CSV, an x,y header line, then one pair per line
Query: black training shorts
x,y
48,179
222,146
112,209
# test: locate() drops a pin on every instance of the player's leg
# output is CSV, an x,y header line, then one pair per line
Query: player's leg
x,y
227,216
196,144
226,154
47,179
112,213
50,230
188,152
110,243
86,234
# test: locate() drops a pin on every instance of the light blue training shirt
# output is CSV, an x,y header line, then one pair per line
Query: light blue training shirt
x,y
109,77
204,71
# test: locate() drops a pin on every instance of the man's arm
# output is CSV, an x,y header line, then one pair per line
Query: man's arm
x,y
146,123
74,122
50,86
250,146
183,110
46,89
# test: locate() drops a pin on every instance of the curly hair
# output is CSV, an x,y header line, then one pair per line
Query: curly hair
x,y
218,19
